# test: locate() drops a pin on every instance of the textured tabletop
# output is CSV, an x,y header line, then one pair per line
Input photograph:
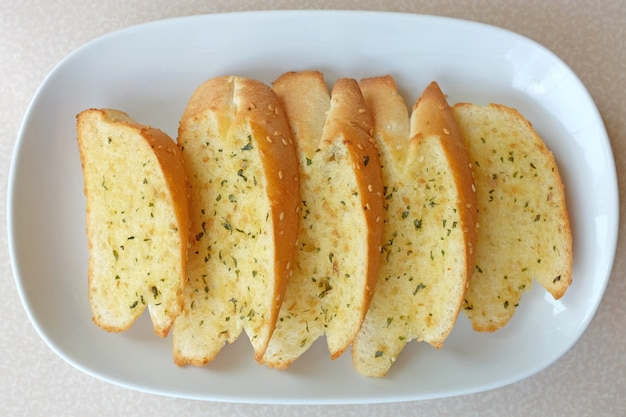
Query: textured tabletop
x,y
589,380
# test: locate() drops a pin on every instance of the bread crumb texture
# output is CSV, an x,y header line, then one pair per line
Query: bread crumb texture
x,y
427,218
524,229
136,220
295,212
231,136
337,256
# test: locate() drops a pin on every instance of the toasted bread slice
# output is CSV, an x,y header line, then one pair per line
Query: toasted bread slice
x,y
430,225
524,227
338,255
137,220
244,187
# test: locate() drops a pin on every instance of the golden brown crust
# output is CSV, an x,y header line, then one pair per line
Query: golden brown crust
x,y
232,108
365,157
428,185
267,120
510,157
170,160
349,118
433,108
304,96
337,265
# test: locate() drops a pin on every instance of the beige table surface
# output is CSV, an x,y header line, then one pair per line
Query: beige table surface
x,y
589,380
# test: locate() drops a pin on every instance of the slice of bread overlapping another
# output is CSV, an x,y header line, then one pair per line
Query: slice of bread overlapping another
x,y
137,220
524,229
244,187
430,225
295,213
338,253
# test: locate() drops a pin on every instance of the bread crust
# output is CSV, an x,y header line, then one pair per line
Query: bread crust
x,y
91,125
441,122
510,159
357,126
430,225
340,171
242,117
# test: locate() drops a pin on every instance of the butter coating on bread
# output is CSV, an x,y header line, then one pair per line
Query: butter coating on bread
x,y
137,220
338,252
430,225
524,229
244,187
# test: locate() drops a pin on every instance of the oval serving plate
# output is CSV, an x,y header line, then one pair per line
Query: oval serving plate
x,y
150,72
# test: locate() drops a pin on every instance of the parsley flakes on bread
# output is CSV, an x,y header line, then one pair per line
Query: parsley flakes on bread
x,y
137,220
245,194
295,212
430,225
338,253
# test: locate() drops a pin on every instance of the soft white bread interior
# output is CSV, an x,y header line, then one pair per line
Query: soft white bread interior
x,y
244,187
338,253
137,220
524,227
430,225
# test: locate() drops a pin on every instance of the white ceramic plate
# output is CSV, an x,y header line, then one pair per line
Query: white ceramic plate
x,y
151,70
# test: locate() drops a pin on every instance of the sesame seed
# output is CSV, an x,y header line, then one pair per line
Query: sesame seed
x,y
446,131
288,266
281,216
362,111
359,146
280,174
378,219
473,188
370,188
282,232
367,206
285,141
468,205
277,133
268,139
